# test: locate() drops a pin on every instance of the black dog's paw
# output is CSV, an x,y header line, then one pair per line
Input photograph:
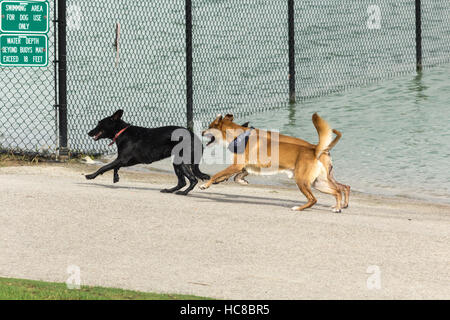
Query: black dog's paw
x,y
182,193
90,176
205,177
116,179
166,191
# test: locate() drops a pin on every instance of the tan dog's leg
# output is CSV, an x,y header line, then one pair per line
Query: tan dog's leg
x,y
327,185
345,189
239,178
326,161
305,188
224,178
302,172
222,175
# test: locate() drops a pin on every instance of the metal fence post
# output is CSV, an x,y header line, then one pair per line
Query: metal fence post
x,y
189,81
291,35
62,79
418,36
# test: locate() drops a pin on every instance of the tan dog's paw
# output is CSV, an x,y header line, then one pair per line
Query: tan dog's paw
x,y
296,208
242,182
204,186
336,210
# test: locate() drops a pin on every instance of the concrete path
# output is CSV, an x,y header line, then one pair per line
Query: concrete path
x,y
229,241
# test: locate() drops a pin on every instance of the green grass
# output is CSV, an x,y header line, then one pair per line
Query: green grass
x,y
18,289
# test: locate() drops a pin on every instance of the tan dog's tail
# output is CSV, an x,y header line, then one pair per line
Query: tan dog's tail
x,y
325,136
336,139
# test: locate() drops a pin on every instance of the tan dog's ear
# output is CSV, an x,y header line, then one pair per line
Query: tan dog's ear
x,y
216,121
229,117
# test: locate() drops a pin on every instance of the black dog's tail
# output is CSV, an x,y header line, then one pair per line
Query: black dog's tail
x,y
198,173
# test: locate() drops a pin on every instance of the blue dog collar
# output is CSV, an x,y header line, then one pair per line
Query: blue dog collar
x,y
239,144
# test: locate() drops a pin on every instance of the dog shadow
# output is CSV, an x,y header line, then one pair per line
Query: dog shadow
x,y
117,187
252,200
221,197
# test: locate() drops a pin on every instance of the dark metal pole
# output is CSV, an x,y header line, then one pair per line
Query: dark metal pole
x,y
62,79
291,35
189,81
55,66
418,36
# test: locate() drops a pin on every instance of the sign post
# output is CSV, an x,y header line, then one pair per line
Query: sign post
x,y
23,33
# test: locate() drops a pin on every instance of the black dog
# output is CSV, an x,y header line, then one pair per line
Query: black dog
x,y
143,145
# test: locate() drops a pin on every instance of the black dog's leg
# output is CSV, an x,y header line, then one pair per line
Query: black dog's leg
x,y
192,179
116,164
116,175
198,173
181,180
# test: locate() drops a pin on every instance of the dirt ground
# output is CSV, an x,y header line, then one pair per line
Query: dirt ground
x,y
230,241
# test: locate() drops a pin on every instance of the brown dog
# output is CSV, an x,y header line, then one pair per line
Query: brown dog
x,y
271,153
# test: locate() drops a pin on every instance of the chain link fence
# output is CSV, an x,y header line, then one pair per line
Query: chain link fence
x,y
359,42
240,57
436,32
132,55
28,121
352,44
143,74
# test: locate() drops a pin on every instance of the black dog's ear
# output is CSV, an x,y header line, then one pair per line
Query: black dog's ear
x,y
117,115
229,117
245,125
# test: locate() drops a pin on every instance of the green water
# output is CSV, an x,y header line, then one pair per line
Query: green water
x,y
396,134
240,55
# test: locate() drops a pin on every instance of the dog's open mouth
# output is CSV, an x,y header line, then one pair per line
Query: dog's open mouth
x,y
212,139
97,136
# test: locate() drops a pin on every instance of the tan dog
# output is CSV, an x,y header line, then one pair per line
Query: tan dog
x,y
271,153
